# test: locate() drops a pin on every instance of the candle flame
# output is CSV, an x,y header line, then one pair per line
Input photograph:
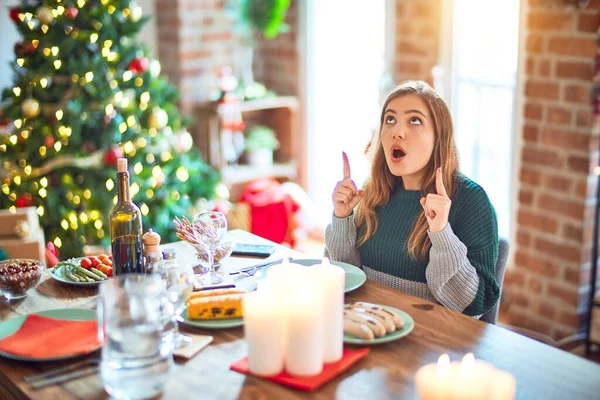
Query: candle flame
x,y
443,365
467,367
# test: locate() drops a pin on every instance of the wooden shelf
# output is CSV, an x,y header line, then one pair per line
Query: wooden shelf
x,y
235,174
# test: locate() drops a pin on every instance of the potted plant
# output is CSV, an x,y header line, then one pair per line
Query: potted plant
x,y
260,144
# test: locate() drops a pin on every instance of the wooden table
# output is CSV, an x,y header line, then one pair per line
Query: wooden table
x,y
388,372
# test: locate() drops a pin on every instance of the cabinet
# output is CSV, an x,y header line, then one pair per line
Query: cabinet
x,y
279,114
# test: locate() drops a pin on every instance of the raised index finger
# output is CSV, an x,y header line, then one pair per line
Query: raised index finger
x,y
439,183
346,165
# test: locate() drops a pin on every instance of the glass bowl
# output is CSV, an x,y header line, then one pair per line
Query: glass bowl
x,y
223,250
18,276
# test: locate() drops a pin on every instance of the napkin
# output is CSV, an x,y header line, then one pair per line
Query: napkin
x,y
309,383
43,337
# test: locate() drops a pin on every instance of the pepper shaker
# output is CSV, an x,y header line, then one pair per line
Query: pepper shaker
x,y
151,242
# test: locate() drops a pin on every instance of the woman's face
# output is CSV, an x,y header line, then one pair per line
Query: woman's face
x,y
407,137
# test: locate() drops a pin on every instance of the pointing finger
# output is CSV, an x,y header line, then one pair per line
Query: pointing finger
x,y
346,165
439,183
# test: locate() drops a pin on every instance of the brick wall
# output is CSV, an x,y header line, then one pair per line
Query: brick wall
x,y
417,38
276,60
547,286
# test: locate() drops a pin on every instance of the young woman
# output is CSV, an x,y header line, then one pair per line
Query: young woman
x,y
419,225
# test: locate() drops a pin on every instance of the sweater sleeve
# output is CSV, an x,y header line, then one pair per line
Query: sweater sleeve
x,y
340,241
460,273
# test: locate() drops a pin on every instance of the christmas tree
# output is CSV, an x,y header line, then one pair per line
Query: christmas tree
x,y
85,94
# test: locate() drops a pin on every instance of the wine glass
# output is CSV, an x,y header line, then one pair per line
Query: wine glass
x,y
178,281
209,229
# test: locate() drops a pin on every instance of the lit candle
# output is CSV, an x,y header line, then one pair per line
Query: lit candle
x,y
433,380
503,386
473,380
304,350
329,280
264,331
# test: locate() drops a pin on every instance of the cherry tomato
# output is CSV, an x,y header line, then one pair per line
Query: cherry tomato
x,y
86,263
109,272
95,261
103,257
110,257
107,262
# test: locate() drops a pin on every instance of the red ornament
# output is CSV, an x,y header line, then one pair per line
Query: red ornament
x,y
139,65
112,155
71,12
14,14
49,141
25,200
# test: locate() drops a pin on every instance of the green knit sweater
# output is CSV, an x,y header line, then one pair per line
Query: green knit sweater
x,y
459,272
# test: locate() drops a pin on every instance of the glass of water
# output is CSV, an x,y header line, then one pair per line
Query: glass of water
x,y
136,358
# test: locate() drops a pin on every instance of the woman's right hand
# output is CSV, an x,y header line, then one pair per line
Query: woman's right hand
x,y
346,195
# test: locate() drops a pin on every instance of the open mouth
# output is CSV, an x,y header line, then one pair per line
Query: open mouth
x,y
398,154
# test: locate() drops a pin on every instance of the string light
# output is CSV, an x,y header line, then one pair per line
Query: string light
x,y
89,76
165,156
109,109
175,196
57,64
80,3
44,28
40,211
138,168
82,239
42,193
144,209
57,242
59,115
43,83
105,52
75,78
150,158
54,50
17,180
87,194
182,174
94,214
108,43
113,85
127,75
64,224
131,120
43,151
12,197
98,224
57,146
76,200
110,184
60,10
27,170
5,189
149,193
93,37
13,139
22,163
31,25
111,9
100,233
134,189
123,129
84,218
17,91
44,182
3,147
138,82
18,123
12,209
20,62
24,134
141,142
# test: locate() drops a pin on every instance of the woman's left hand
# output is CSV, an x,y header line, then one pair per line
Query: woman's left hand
x,y
437,206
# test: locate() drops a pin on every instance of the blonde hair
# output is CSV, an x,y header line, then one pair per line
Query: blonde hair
x,y
382,183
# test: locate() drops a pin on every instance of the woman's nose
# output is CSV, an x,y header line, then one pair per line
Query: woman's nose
x,y
398,135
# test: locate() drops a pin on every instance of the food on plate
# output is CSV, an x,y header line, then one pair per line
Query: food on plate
x,y
214,292
214,304
18,276
371,322
88,269
358,329
380,310
360,317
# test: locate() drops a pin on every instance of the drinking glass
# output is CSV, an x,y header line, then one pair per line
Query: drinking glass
x,y
178,281
136,358
209,229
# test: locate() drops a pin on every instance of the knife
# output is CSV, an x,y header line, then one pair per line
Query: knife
x,y
253,268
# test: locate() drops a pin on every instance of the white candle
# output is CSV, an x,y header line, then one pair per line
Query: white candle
x,y
304,350
264,330
472,382
503,386
433,381
329,280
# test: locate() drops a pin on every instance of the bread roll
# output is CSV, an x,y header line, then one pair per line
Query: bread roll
x,y
380,310
358,329
384,320
377,328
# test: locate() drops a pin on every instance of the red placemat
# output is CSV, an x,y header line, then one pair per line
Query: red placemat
x,y
43,337
308,383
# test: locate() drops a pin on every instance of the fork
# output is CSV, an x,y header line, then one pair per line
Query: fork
x,y
63,374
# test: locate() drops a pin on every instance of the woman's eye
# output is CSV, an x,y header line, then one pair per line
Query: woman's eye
x,y
390,119
415,121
